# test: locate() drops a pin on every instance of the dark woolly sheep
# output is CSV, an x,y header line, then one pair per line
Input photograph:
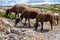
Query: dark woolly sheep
x,y
43,17
16,9
29,13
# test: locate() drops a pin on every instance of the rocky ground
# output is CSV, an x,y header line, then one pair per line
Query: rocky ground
x,y
9,32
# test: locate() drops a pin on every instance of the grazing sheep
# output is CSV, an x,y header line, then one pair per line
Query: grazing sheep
x,y
43,17
29,13
16,9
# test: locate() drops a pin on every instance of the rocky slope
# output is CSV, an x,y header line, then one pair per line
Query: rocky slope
x,y
9,32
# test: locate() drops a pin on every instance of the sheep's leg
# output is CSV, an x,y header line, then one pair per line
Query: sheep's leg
x,y
21,20
29,22
36,26
25,21
42,25
51,24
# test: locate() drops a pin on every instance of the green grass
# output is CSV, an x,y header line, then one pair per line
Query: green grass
x,y
54,7
12,16
2,14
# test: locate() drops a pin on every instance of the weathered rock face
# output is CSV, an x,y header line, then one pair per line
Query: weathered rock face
x,y
9,32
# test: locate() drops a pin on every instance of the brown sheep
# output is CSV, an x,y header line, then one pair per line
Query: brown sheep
x,y
16,9
29,13
55,15
56,18
44,17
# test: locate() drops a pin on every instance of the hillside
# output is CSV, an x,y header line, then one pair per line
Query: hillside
x,y
22,32
55,7
52,7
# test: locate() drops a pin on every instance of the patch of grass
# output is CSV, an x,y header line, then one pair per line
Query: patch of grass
x,y
12,16
2,14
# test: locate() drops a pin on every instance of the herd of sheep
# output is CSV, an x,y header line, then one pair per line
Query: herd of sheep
x,y
33,13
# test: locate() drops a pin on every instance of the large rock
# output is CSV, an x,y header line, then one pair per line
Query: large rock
x,y
16,31
54,35
7,22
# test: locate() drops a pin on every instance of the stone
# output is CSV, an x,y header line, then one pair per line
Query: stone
x,y
23,30
16,31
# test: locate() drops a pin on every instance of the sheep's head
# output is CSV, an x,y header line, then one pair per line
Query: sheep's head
x,y
7,12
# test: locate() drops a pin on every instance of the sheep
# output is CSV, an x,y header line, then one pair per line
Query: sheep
x,y
55,15
44,17
56,18
29,13
18,8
